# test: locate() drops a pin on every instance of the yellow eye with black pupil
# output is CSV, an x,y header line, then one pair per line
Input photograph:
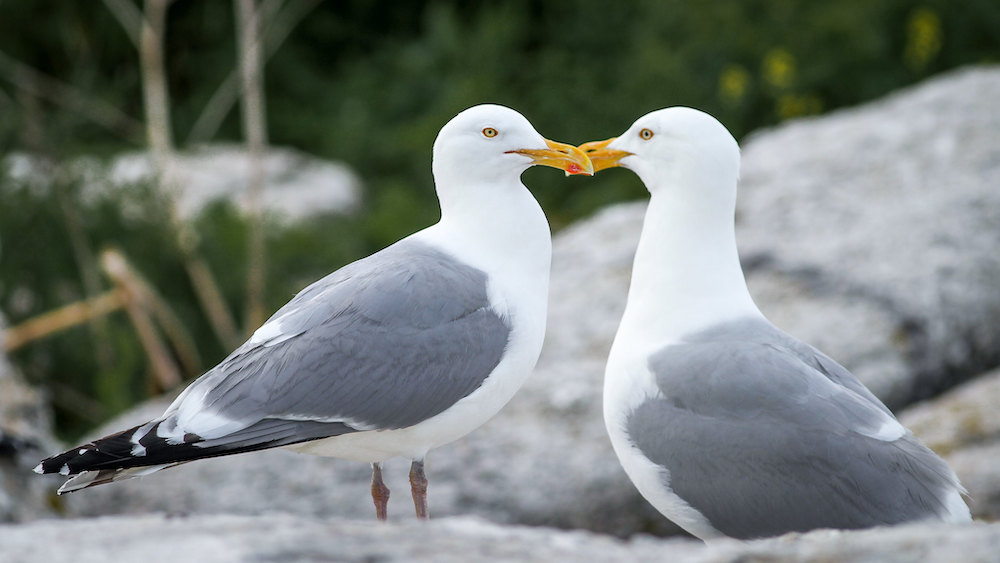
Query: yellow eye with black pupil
x,y
645,134
490,132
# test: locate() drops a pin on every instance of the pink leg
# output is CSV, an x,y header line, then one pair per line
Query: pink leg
x,y
418,488
380,493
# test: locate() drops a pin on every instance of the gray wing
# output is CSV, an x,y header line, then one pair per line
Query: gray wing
x,y
385,342
760,331
762,440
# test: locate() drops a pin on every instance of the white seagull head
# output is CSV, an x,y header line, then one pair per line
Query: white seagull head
x,y
672,148
489,142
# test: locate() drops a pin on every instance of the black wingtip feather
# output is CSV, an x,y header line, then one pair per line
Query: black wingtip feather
x,y
116,451
108,452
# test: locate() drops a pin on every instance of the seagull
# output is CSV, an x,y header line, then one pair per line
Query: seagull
x,y
724,423
408,349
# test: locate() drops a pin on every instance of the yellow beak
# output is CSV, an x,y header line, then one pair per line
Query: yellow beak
x,y
602,156
564,157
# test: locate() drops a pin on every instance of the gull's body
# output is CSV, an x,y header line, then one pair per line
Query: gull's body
x,y
391,356
725,424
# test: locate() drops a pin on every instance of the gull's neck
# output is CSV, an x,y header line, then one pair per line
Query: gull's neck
x,y
497,227
686,275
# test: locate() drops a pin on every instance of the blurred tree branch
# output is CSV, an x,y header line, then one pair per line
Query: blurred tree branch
x,y
129,16
33,133
6,101
43,86
143,304
62,318
164,369
32,128
144,294
158,132
83,254
249,47
77,402
281,23
154,82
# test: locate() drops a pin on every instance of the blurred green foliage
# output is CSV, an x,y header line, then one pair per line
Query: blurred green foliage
x,y
370,83
39,272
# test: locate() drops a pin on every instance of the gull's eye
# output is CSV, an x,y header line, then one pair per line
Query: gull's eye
x,y
646,134
490,132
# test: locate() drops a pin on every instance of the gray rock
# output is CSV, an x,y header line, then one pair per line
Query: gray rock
x,y
25,433
870,233
915,542
892,205
283,537
963,425
525,467
297,185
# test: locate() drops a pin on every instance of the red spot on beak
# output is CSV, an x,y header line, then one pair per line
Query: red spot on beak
x,y
573,168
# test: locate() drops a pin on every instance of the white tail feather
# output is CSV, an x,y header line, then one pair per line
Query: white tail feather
x,y
92,478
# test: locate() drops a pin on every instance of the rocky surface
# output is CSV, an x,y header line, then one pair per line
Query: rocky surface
x,y
963,425
870,233
893,206
286,538
527,467
297,185
25,433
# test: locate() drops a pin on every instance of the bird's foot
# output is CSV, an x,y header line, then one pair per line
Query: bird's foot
x,y
418,488
380,493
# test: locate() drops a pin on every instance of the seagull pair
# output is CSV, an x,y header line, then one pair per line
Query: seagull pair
x,y
725,424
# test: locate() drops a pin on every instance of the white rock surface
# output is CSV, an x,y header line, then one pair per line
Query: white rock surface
x,y
297,185
894,206
283,537
963,425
